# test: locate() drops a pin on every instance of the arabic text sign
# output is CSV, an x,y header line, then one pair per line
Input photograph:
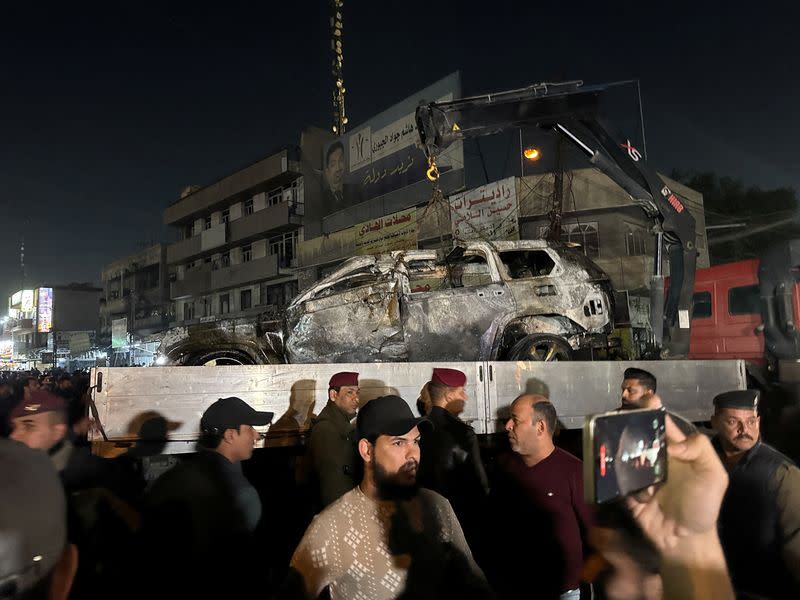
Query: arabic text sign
x,y
397,231
44,311
489,212
119,332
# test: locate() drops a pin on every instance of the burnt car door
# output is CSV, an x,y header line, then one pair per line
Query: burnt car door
x,y
450,309
353,319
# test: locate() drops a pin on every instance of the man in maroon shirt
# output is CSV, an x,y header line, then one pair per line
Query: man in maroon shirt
x,y
541,488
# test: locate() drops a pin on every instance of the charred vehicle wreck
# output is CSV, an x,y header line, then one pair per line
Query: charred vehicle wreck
x,y
526,300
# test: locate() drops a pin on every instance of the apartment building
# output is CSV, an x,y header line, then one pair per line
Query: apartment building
x,y
237,238
136,288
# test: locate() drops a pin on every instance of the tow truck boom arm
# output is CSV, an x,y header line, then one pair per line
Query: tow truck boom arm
x,y
571,110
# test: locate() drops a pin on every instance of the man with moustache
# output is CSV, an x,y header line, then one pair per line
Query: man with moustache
x,y
759,522
386,538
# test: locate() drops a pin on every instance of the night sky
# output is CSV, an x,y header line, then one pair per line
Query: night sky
x,y
107,112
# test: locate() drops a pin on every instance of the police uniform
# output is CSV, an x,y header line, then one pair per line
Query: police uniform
x,y
759,521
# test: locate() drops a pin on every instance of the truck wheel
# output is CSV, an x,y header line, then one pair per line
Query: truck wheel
x,y
543,347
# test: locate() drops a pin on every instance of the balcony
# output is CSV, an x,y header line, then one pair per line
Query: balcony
x,y
20,325
275,218
118,306
184,249
201,281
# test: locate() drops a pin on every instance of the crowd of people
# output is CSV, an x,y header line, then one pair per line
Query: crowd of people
x,y
394,505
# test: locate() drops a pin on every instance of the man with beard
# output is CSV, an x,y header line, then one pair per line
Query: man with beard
x,y
759,522
386,538
639,391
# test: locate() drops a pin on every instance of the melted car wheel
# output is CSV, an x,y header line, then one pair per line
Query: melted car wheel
x,y
543,347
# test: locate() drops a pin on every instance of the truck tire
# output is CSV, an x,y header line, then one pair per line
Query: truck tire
x,y
543,347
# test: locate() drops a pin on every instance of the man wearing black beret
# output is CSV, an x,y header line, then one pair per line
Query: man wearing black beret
x,y
759,522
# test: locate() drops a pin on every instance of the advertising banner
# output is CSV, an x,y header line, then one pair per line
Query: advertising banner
x,y
489,212
397,231
44,311
383,154
119,332
27,301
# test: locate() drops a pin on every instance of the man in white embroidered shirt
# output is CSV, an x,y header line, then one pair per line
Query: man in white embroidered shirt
x,y
386,538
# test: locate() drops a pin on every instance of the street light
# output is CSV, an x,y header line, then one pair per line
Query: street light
x,y
532,154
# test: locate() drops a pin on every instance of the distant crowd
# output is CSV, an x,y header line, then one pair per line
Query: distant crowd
x,y
383,503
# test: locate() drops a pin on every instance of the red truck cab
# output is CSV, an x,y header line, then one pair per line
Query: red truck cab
x,y
726,317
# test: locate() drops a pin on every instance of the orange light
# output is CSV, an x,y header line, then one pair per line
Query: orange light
x,y
532,154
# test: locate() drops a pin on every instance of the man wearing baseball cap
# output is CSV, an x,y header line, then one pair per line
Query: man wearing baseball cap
x,y
759,521
36,560
387,538
200,516
451,460
331,447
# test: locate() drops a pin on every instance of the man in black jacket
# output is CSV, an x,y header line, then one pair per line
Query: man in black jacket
x,y
759,522
451,461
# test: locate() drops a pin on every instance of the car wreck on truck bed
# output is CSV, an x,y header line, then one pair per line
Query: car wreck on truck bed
x,y
523,300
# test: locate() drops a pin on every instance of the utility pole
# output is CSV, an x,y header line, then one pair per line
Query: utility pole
x,y
337,36
557,207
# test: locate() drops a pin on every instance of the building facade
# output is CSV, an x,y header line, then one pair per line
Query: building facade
x,y
237,239
52,325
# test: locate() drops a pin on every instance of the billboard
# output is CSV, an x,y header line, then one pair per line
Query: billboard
x,y
44,310
385,234
489,212
383,154
119,332
26,300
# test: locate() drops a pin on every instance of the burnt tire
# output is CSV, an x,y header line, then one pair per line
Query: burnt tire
x,y
543,347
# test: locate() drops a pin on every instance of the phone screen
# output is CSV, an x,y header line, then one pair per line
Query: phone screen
x,y
629,452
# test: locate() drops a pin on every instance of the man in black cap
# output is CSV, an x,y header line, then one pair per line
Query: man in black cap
x,y
200,516
387,538
759,523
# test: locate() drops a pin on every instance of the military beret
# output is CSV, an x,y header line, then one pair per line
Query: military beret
x,y
743,399
449,377
344,378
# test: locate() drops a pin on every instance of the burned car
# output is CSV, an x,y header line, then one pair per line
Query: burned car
x,y
526,300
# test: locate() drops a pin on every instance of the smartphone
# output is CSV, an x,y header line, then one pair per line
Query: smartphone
x,y
623,452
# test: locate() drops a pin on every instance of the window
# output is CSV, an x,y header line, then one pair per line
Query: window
x,y
521,264
225,259
744,300
206,306
248,207
285,246
188,231
225,216
246,299
636,241
188,311
207,260
425,276
207,223
469,271
247,253
701,305
224,304
275,197
585,234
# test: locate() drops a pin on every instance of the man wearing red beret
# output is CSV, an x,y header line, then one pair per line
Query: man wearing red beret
x,y
331,446
451,461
